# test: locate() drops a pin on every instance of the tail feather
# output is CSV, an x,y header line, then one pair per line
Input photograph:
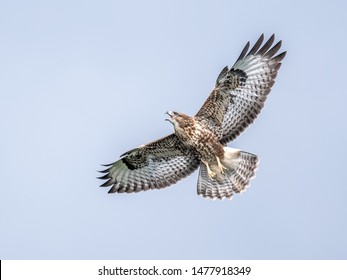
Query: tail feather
x,y
241,167
213,189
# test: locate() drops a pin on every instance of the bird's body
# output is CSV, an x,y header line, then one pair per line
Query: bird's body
x,y
197,136
234,103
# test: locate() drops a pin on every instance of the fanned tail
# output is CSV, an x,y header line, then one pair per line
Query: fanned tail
x,y
240,169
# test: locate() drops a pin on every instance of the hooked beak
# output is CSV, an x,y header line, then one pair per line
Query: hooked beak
x,y
170,114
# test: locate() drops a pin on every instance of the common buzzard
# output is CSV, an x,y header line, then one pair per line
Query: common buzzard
x,y
236,100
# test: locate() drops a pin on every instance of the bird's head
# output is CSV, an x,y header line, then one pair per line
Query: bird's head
x,y
172,117
176,118
179,120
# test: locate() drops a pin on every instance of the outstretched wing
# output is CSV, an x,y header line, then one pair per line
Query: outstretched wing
x,y
152,166
240,92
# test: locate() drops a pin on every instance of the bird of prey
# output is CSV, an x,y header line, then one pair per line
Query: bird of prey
x,y
200,141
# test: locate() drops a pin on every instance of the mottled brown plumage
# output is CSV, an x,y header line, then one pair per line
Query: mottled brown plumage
x,y
233,104
198,137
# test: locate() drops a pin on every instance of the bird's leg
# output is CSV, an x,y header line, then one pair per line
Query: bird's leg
x,y
221,167
211,174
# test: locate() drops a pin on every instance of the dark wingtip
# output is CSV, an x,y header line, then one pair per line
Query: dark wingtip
x,y
267,45
280,56
273,50
113,190
261,38
257,45
107,183
272,37
222,74
103,177
104,171
244,51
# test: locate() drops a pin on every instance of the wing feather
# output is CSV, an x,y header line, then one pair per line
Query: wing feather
x,y
240,92
152,166
266,46
244,51
256,45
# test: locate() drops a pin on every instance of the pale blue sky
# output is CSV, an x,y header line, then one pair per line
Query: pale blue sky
x,y
84,81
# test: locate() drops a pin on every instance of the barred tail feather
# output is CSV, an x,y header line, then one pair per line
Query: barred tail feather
x,y
240,169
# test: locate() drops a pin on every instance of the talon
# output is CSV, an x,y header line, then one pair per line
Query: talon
x,y
211,174
221,167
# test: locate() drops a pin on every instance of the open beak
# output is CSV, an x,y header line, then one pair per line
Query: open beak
x,y
170,114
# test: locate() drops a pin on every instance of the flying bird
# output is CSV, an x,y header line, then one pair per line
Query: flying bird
x,y
200,141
